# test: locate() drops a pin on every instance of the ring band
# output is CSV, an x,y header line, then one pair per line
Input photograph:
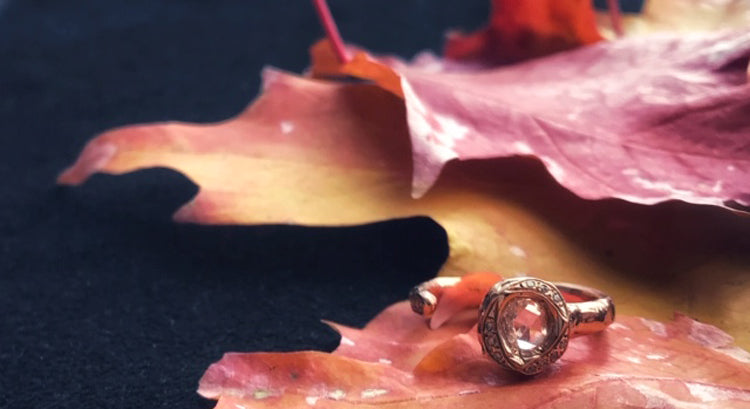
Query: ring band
x,y
525,323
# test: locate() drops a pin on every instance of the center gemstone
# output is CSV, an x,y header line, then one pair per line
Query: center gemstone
x,y
525,323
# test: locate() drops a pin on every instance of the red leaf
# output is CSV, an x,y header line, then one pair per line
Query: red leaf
x,y
522,29
397,361
645,119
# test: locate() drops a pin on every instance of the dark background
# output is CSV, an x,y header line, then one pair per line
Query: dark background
x,y
104,302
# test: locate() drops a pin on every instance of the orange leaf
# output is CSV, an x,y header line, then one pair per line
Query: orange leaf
x,y
522,29
325,63
518,30
396,361
318,153
466,293
301,154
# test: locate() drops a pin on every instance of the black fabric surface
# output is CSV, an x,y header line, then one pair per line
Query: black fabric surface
x,y
104,302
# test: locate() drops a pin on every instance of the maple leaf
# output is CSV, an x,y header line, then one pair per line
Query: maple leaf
x,y
397,361
320,153
667,112
521,29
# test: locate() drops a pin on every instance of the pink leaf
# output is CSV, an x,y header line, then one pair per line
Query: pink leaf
x,y
397,361
644,119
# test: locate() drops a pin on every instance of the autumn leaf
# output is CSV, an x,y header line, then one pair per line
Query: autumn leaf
x,y
668,113
320,153
396,361
519,30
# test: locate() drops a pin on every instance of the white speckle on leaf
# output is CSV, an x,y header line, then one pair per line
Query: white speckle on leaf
x,y
617,325
610,376
662,187
717,187
634,359
573,115
731,168
656,357
517,251
492,380
468,392
701,392
522,147
286,127
238,406
655,326
385,361
311,400
630,171
373,393
347,341
336,394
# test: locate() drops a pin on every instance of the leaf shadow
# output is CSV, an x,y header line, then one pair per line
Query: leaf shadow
x,y
651,244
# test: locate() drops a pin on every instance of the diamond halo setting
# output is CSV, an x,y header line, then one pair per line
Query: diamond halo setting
x,y
524,324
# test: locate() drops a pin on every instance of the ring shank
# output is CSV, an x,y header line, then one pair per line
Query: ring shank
x,y
592,315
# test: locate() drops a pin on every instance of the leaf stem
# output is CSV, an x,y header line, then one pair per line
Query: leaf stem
x,y
615,17
332,31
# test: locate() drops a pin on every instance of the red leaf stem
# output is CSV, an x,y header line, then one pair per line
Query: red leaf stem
x,y
332,31
616,17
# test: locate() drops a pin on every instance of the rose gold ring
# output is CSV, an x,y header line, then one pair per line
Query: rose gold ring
x,y
525,323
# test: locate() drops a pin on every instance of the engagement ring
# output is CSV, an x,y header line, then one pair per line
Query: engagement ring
x,y
525,323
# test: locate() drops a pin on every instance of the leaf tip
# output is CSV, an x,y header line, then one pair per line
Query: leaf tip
x,y
332,325
270,75
94,158
425,176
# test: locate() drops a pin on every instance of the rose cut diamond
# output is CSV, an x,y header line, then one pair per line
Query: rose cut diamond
x,y
525,323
